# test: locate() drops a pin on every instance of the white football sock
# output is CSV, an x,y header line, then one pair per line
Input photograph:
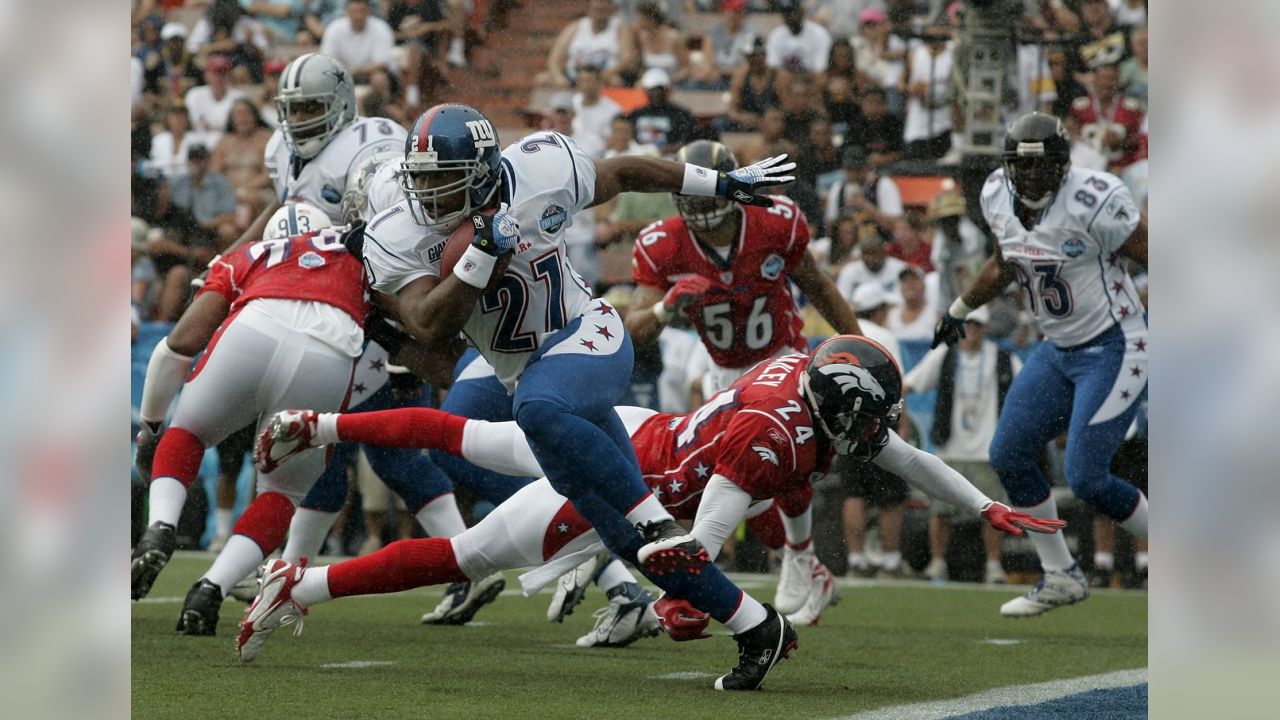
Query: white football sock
x,y
238,559
750,613
1104,561
649,510
500,447
441,518
1052,549
799,529
614,574
1137,522
313,588
890,560
1141,560
307,531
857,560
166,498
222,522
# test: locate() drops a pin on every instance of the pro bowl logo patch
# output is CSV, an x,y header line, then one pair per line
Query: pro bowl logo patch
x,y
1073,248
311,260
771,268
553,218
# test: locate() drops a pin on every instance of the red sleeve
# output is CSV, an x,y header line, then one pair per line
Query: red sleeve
x,y
644,267
799,240
221,280
757,454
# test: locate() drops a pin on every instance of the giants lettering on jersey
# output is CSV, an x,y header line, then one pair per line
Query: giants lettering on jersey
x,y
313,267
749,314
758,433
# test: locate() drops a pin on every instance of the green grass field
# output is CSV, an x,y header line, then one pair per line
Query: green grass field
x,y
369,657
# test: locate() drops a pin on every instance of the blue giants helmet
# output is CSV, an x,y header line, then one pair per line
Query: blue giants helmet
x,y
460,144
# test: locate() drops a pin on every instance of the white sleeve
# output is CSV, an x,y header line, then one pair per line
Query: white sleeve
x,y
166,372
821,50
924,376
388,271
833,206
721,510
382,51
773,49
889,197
500,447
580,175
1115,221
199,36
928,473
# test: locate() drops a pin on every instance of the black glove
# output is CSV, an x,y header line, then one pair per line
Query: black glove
x,y
405,385
378,329
148,438
353,239
949,330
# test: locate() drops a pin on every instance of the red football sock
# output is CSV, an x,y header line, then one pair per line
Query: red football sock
x,y
178,456
425,428
402,565
266,521
767,526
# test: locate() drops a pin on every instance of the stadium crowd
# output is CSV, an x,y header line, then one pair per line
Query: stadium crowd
x,y
859,92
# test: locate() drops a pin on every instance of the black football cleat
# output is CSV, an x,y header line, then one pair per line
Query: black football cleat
x,y
759,649
150,556
200,610
670,548
462,600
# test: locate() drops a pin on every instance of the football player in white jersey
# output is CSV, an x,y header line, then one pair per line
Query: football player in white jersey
x,y
564,356
1065,235
321,138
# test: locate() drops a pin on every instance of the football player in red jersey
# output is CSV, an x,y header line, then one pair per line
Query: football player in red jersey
x,y
725,268
282,319
768,434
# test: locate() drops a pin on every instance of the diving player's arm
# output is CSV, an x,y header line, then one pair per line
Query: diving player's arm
x,y
1135,248
720,511
643,321
822,292
632,173
435,311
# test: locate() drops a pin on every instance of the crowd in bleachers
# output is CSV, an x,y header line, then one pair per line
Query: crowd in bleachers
x,y
860,92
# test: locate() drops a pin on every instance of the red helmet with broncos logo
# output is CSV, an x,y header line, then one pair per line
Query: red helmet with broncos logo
x,y
854,387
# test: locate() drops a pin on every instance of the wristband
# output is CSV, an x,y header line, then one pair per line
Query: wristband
x,y
661,312
699,180
475,267
959,309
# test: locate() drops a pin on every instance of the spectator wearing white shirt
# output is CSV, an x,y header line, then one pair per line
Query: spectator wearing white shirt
x,y
797,44
873,268
168,157
972,379
226,29
841,17
928,129
361,42
724,46
913,319
593,113
881,55
209,105
863,191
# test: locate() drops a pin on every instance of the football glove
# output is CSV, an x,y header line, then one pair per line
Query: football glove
x,y
949,330
353,240
148,438
740,185
1005,519
686,290
681,620
495,234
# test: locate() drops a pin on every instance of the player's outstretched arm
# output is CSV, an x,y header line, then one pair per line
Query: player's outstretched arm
x,y
631,173
822,292
645,317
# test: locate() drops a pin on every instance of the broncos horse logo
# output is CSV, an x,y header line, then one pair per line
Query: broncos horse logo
x,y
849,377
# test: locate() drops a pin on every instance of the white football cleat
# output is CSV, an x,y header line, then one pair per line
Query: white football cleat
x,y
825,593
572,587
272,609
462,600
795,581
288,433
624,620
1055,589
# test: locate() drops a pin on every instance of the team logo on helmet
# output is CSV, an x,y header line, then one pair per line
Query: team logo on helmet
x,y
848,377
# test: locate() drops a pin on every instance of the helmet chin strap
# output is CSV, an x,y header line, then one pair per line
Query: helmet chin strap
x,y
1037,204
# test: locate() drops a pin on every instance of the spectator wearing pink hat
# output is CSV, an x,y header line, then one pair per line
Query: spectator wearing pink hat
x,y
842,18
209,105
881,55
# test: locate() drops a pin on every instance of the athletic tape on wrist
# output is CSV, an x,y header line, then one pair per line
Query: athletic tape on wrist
x,y
699,180
661,312
959,309
475,267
